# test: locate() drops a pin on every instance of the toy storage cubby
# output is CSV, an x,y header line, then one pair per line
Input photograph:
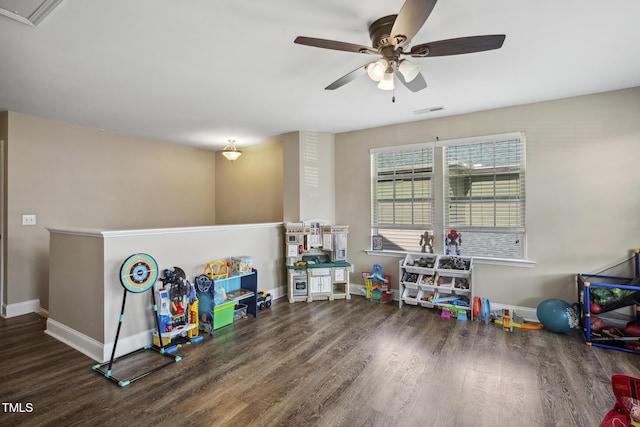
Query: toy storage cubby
x,y
436,281
237,288
614,324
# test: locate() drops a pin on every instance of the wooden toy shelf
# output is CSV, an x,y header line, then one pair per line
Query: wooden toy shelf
x,y
618,314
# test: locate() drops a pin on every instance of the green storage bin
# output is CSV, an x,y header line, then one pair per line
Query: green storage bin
x,y
223,314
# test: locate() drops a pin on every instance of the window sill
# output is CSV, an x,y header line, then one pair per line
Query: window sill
x,y
521,263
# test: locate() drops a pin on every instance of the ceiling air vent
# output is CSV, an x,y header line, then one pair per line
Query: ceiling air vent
x,y
428,110
29,12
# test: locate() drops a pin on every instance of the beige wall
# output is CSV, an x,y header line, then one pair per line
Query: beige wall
x,y
77,283
76,176
583,209
249,190
291,177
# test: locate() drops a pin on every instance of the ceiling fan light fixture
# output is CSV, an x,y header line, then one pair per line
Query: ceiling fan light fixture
x,y
230,151
376,70
409,70
387,81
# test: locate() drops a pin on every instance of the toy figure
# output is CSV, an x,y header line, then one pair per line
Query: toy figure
x,y
453,242
426,241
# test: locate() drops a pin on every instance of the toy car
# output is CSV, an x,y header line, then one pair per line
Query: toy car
x,y
263,300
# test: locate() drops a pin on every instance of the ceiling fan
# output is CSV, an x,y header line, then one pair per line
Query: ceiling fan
x,y
389,36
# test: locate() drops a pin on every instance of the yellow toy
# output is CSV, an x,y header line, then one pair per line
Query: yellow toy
x,y
216,270
193,319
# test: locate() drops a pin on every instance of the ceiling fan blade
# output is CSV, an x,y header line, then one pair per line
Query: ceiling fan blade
x,y
415,85
335,45
349,77
458,46
410,19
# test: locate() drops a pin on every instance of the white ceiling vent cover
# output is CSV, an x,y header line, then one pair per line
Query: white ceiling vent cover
x,y
428,110
29,12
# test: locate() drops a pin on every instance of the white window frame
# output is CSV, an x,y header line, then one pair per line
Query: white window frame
x,y
439,225
375,217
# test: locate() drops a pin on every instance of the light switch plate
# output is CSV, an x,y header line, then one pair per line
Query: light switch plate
x,y
28,220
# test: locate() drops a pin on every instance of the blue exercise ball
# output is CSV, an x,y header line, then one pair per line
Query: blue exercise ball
x,y
557,315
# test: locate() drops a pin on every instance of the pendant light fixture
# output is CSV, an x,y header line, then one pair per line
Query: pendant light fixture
x,y
230,151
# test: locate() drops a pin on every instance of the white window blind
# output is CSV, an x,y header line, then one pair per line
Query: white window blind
x,y
402,194
485,195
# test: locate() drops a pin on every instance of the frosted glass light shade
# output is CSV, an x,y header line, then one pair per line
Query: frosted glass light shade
x,y
387,82
232,155
409,70
376,70
230,151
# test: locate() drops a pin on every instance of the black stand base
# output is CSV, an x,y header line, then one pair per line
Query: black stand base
x,y
123,383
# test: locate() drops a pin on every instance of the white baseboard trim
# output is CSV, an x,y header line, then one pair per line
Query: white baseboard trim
x,y
128,344
20,308
92,348
279,292
355,289
84,344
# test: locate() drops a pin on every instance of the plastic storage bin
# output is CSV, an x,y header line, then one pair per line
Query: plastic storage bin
x,y
239,312
223,315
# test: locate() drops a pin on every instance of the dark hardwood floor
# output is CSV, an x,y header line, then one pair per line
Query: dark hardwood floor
x,y
339,363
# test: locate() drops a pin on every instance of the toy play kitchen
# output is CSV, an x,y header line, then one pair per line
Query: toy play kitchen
x,y
316,256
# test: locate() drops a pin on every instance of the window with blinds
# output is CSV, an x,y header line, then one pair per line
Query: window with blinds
x,y
402,195
484,195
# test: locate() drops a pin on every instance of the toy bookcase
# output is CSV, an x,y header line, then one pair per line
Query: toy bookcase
x,y
618,321
237,288
436,281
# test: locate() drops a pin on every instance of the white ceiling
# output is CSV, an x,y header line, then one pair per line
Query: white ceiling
x,y
200,72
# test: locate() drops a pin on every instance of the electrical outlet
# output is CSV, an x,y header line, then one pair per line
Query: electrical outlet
x,y
28,220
